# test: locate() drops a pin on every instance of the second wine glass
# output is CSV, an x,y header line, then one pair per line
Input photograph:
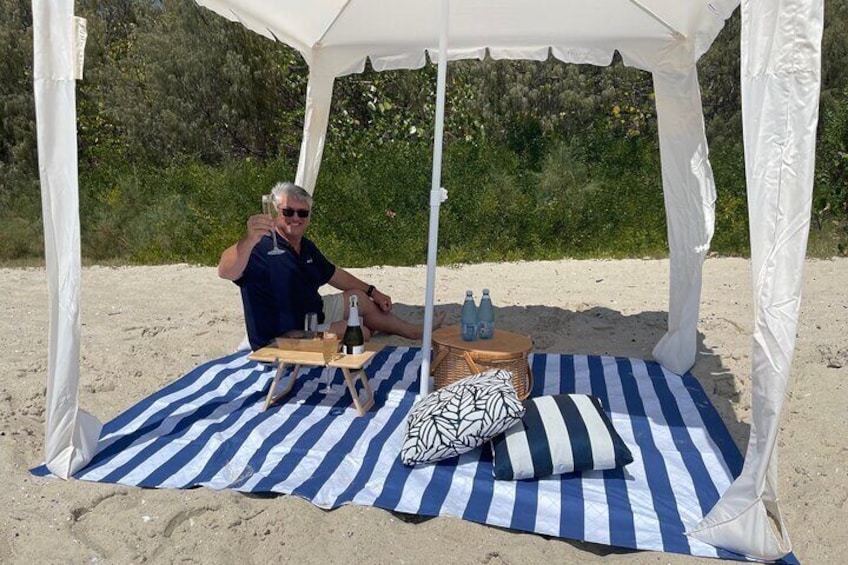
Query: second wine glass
x,y
269,206
330,350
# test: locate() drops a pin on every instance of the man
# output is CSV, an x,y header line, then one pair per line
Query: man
x,y
277,291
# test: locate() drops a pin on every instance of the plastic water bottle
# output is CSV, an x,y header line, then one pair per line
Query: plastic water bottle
x,y
486,317
469,317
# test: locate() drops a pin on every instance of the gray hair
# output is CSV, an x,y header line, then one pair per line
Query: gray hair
x,y
292,191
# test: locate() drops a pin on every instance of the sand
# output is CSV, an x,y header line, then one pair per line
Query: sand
x,y
143,327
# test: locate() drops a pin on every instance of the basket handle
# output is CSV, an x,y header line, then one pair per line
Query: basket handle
x,y
440,356
471,364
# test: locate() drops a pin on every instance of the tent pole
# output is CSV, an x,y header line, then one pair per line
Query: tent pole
x,y
657,17
437,196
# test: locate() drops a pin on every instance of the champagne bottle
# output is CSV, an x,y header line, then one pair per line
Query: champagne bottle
x,y
354,341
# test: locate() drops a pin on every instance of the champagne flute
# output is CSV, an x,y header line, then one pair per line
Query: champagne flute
x,y
330,350
269,206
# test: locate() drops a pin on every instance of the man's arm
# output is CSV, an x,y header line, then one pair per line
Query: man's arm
x,y
343,280
235,257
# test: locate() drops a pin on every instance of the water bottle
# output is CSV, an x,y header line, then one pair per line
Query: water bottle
x,y
469,317
486,317
353,340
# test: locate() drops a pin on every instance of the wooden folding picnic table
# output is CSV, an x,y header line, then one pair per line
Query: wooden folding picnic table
x,y
352,367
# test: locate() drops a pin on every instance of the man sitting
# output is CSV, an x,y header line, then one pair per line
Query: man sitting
x,y
277,291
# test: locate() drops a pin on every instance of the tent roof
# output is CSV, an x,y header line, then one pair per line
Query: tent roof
x,y
650,34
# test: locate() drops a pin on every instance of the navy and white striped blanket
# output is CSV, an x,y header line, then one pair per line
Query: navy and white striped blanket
x,y
208,429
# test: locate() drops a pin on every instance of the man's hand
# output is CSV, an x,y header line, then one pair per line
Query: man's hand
x,y
257,226
235,257
383,301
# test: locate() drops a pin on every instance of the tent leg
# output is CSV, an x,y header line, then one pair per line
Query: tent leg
x,y
689,192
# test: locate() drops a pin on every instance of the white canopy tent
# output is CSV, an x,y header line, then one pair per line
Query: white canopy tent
x,y
780,53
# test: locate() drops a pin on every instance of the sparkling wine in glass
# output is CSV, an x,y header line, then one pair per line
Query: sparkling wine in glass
x,y
269,206
330,350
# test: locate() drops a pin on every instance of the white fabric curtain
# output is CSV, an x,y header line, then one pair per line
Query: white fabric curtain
x,y
781,75
689,192
319,97
71,434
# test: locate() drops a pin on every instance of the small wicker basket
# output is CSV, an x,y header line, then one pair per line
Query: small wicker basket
x,y
453,361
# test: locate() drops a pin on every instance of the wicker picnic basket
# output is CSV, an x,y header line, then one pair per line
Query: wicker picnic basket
x,y
454,360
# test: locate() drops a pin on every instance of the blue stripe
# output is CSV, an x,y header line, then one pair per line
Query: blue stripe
x,y
436,491
538,366
572,513
671,526
389,497
621,525
482,490
525,506
567,378
537,440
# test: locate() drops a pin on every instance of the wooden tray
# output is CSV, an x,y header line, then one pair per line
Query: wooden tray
x,y
314,344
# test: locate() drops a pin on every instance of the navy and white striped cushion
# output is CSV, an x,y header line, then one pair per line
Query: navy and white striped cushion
x,y
460,417
559,434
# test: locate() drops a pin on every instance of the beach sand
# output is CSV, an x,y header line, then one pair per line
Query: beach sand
x,y
143,327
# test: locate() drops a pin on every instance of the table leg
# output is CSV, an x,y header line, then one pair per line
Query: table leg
x,y
361,406
271,399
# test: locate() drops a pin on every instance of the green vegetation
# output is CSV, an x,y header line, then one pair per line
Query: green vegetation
x,y
185,119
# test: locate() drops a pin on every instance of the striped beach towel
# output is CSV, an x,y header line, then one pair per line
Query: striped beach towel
x,y
208,429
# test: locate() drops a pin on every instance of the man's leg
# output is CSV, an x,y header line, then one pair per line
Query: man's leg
x,y
376,319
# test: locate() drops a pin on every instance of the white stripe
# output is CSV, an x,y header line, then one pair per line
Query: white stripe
x,y
549,506
552,373
582,385
595,507
518,450
503,502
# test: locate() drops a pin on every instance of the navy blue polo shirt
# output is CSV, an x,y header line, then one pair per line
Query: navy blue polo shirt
x,y
278,290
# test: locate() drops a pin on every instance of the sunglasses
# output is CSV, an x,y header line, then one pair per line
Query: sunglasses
x,y
289,212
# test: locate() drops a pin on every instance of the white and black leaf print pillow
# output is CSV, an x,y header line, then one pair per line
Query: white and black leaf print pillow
x,y
461,416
